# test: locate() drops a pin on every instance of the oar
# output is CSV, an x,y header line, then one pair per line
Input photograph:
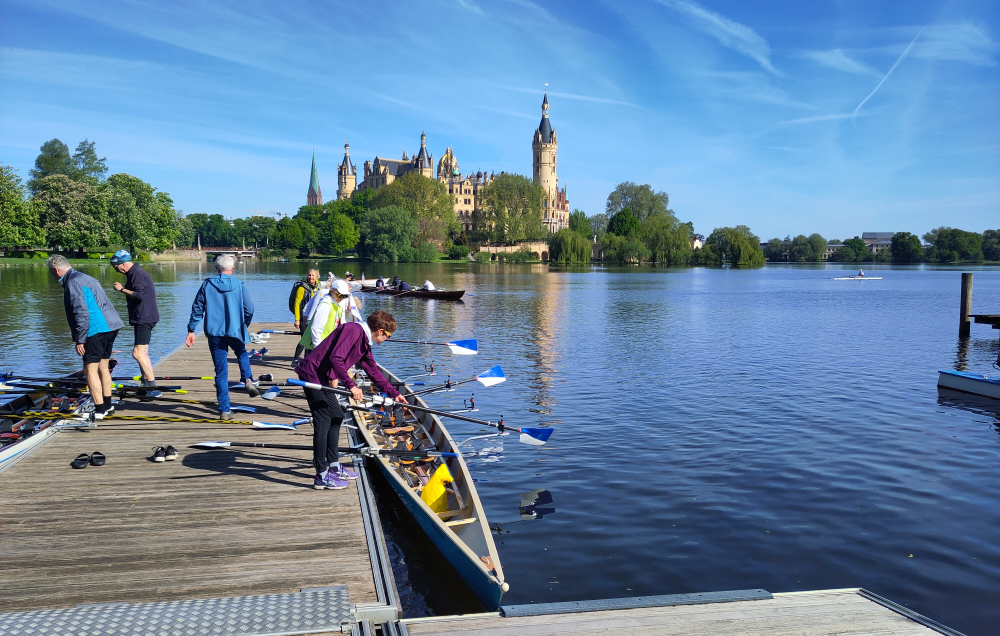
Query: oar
x,y
532,436
74,382
235,407
366,450
291,333
488,378
118,388
46,415
172,377
458,347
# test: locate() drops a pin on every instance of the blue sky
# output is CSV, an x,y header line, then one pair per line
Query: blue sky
x,y
790,117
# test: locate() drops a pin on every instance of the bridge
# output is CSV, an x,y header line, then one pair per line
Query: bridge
x,y
239,253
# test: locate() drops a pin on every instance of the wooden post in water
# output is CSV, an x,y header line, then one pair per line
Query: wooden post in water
x,y
965,325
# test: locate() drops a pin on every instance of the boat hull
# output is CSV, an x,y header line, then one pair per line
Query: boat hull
x,y
974,383
437,294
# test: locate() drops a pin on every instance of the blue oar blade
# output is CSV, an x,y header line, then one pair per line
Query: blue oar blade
x,y
464,347
535,436
271,393
269,425
491,377
242,409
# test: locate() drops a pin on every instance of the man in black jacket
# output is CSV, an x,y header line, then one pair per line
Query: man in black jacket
x,y
140,296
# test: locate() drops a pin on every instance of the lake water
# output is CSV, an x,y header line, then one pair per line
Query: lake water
x,y
715,429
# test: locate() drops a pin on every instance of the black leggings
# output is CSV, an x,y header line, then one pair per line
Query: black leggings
x,y
327,418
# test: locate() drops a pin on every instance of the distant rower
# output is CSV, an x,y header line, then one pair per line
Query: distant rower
x,y
861,273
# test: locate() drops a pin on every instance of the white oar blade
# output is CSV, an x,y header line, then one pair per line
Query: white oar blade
x,y
211,445
271,393
491,377
242,409
464,347
270,426
535,436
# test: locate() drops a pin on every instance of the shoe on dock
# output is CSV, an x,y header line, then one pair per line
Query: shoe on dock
x,y
329,482
226,415
159,454
252,391
343,473
169,453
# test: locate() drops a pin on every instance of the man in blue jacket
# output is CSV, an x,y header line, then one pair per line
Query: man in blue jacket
x,y
224,304
94,324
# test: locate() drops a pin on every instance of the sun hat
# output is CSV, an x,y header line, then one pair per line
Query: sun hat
x,y
121,256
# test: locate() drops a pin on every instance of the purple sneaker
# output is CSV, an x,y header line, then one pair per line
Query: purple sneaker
x,y
329,482
344,473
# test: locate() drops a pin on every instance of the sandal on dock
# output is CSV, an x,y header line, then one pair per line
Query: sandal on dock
x,y
98,459
81,461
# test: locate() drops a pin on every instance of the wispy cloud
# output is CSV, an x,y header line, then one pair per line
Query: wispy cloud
x,y
469,5
962,42
583,98
839,60
812,120
729,33
902,57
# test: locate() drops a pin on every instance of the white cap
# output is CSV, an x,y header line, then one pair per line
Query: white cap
x,y
341,287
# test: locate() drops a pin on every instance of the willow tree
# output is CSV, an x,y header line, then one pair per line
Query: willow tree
x,y
510,210
736,245
19,225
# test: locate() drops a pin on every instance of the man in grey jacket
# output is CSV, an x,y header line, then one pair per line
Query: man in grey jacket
x,y
94,324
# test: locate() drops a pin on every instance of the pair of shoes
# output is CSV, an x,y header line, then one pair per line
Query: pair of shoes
x,y
329,482
226,415
252,391
164,453
83,460
343,473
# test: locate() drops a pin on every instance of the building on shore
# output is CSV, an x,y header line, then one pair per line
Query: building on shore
x,y
877,241
464,190
314,196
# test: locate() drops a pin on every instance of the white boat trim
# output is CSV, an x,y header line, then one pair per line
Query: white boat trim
x,y
975,383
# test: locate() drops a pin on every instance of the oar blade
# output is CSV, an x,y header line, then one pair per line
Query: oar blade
x,y
535,436
271,393
210,445
464,347
270,426
239,408
491,377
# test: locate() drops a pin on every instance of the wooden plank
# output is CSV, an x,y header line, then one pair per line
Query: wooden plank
x,y
840,613
212,523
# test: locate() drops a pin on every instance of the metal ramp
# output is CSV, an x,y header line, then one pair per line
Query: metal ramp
x,y
309,611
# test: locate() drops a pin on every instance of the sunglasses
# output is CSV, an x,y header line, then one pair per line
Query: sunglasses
x,y
387,334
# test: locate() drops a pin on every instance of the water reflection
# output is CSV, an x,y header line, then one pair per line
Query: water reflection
x,y
980,405
535,504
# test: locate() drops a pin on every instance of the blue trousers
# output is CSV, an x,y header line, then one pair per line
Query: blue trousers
x,y
220,346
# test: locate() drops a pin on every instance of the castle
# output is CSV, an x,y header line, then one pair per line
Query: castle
x,y
464,190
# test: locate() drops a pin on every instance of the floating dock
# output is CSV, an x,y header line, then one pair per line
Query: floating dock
x,y
237,543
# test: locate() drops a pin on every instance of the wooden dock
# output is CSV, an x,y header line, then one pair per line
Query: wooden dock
x,y
220,523
821,613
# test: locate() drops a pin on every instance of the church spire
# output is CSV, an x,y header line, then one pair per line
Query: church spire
x,y
315,195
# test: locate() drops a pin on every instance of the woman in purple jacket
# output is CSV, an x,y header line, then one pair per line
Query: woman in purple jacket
x,y
348,345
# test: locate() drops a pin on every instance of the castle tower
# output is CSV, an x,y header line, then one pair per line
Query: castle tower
x,y
544,146
314,196
347,175
424,161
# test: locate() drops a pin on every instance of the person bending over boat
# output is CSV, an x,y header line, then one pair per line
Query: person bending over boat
x,y
349,345
224,304
404,286
302,292
140,296
94,324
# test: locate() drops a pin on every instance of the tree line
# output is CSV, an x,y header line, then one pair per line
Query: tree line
x,y
638,226
943,245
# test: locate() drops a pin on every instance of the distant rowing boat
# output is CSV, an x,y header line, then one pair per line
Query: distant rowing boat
x,y
435,294
858,278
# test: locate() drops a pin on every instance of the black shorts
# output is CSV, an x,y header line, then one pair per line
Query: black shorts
x,y
143,333
99,346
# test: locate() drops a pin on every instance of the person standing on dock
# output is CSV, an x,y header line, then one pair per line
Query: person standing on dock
x,y
349,345
302,292
140,296
224,304
94,324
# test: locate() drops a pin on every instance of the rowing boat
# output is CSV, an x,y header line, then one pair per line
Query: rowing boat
x,y
858,278
18,435
966,382
436,294
461,533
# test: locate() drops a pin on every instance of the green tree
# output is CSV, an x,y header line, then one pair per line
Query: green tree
x,y
426,200
54,158
642,200
140,218
86,166
818,245
568,246
74,214
19,225
624,250
598,225
736,245
288,235
776,250
623,223
337,233
579,223
991,245
185,230
510,210
906,248
387,233
949,245
667,239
